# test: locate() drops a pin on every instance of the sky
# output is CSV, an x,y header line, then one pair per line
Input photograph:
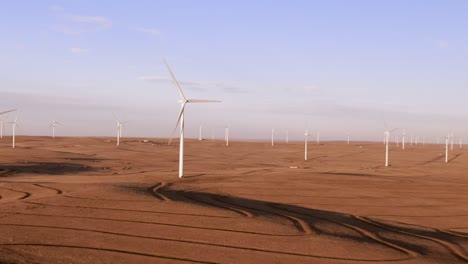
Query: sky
x,y
337,66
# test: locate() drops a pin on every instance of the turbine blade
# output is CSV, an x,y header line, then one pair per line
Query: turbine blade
x,y
175,80
393,130
177,124
4,112
202,101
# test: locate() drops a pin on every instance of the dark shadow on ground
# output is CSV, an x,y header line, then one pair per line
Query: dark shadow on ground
x,y
49,168
411,240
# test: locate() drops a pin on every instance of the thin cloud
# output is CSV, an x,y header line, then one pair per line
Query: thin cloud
x,y
149,31
78,50
72,24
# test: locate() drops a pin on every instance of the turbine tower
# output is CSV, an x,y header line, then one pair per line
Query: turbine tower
x,y
1,121
180,120
387,136
14,125
54,123
306,141
272,137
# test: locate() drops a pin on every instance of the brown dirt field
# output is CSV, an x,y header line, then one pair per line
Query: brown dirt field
x,y
84,200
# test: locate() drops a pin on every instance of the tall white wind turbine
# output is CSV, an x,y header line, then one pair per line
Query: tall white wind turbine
x,y
200,132
226,135
54,123
272,137
318,137
14,125
2,119
446,147
387,136
306,141
403,136
180,120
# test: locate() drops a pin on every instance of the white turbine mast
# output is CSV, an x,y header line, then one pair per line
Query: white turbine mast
x,y
446,147
180,120
52,125
2,120
226,134
272,137
14,125
306,141
403,135
387,136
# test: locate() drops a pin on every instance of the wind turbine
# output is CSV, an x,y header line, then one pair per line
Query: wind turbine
x,y
200,132
14,125
460,142
446,147
348,139
318,137
306,140
54,123
212,133
1,121
272,137
387,136
403,139
226,135
180,120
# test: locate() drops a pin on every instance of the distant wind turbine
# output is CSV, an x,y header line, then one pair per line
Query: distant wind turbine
x,y
1,121
226,135
272,137
14,125
318,137
387,136
200,132
306,141
446,147
180,120
403,135
54,123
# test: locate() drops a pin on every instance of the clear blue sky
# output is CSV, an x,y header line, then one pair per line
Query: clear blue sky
x,y
333,66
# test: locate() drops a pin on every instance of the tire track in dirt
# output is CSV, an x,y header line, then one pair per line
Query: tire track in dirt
x,y
58,191
262,250
157,223
25,194
365,233
125,210
155,191
107,250
454,249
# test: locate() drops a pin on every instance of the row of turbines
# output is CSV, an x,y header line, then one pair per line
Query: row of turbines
x,y
180,124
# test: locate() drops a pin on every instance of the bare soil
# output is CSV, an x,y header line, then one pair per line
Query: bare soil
x,y
85,200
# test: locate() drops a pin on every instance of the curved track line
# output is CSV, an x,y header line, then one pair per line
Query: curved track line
x,y
160,224
453,248
214,203
155,191
198,243
108,250
58,191
126,210
363,232
300,225
26,194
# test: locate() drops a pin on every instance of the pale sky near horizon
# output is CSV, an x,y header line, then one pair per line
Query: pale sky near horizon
x,y
334,66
